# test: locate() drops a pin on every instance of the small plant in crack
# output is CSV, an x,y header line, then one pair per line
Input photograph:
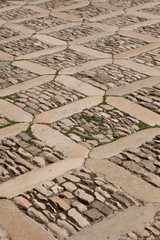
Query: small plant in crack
x,y
30,134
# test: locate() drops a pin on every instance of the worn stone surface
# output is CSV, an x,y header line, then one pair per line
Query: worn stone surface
x,y
79,86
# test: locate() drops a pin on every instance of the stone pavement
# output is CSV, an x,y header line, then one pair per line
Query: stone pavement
x,y
80,120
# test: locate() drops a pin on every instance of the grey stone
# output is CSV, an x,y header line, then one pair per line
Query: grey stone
x,y
58,232
37,215
93,214
102,208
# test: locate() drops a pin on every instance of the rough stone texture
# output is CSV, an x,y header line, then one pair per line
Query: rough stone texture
x,y
81,221
79,79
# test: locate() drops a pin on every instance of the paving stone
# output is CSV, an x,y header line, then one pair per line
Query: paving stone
x,y
69,186
83,196
37,215
57,231
22,202
60,202
93,214
81,207
81,221
101,207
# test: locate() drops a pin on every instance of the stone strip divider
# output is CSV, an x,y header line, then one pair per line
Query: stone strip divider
x,y
129,142
40,53
67,110
34,82
30,180
34,67
81,4
14,113
137,51
134,110
19,28
142,14
15,38
105,16
145,5
59,141
5,56
151,71
59,27
66,16
129,88
32,17
141,24
13,130
9,8
19,226
112,228
143,37
110,31
131,184
77,85
85,66
50,40
90,52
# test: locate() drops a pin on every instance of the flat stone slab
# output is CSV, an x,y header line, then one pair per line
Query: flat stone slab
x,y
13,112
59,141
129,88
133,141
134,110
50,40
13,130
151,71
67,110
140,36
26,85
41,53
34,67
85,66
112,228
19,225
90,52
137,51
130,183
32,179
75,84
